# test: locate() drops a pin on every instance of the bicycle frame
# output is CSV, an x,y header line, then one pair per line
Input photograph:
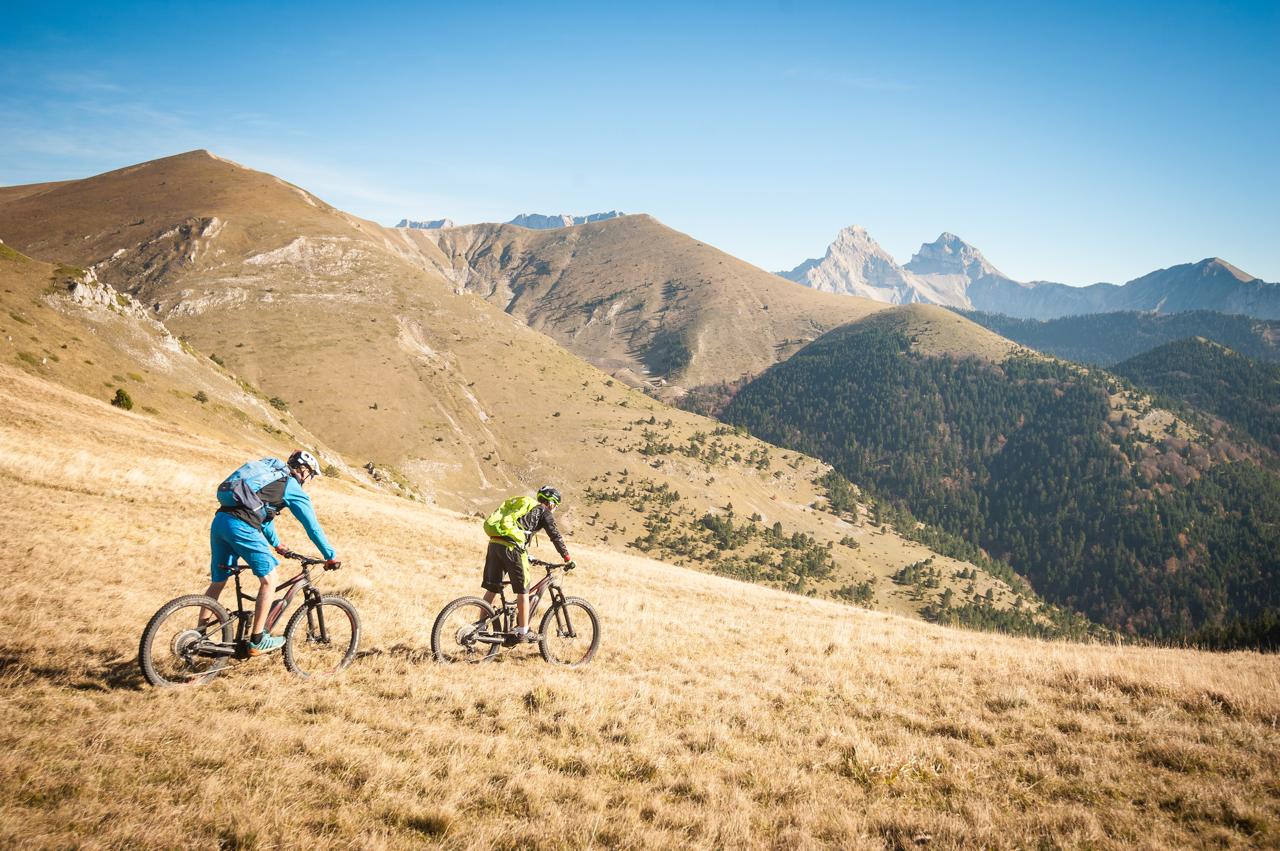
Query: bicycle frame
x,y
548,585
244,617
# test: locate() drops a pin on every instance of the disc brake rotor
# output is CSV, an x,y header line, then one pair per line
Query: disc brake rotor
x,y
183,643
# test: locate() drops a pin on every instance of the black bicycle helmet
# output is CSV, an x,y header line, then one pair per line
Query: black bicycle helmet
x,y
546,493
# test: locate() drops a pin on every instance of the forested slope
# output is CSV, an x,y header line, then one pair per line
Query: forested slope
x,y
1105,504
1214,379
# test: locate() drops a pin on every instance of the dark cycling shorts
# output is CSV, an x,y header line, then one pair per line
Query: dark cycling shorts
x,y
505,561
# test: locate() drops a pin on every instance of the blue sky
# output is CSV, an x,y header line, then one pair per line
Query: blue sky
x,y
1075,143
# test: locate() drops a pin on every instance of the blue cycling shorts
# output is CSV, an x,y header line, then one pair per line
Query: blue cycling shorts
x,y
231,539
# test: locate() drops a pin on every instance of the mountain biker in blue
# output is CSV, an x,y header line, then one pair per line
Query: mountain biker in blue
x,y
239,532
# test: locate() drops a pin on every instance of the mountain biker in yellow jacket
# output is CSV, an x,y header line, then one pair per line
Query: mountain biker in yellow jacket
x,y
506,557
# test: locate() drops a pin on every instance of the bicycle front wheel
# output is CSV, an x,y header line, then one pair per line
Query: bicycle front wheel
x,y
465,631
570,633
321,638
186,643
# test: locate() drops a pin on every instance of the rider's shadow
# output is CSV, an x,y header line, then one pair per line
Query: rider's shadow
x,y
95,671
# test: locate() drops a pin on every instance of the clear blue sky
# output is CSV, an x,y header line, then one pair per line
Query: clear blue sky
x,y
1077,143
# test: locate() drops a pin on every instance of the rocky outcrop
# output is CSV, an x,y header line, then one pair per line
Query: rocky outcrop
x,y
597,217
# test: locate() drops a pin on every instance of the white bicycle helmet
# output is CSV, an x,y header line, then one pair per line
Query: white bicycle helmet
x,y
303,458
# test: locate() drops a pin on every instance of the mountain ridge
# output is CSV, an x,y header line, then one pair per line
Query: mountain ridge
x,y
951,272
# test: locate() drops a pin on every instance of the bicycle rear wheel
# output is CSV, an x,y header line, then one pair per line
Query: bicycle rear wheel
x,y
570,633
321,638
457,633
178,644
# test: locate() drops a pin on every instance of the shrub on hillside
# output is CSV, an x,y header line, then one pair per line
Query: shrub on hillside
x,y
122,400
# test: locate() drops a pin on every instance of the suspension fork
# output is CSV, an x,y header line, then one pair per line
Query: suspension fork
x,y
563,626
315,615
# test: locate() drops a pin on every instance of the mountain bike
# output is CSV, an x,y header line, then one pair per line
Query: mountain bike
x,y
191,639
470,630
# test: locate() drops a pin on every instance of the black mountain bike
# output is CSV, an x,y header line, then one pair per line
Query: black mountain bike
x,y
469,630
192,638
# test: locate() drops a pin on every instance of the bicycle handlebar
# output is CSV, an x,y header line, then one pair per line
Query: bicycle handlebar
x,y
567,566
311,561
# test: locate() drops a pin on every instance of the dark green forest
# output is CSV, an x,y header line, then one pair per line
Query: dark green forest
x,y
1243,392
1026,460
1108,338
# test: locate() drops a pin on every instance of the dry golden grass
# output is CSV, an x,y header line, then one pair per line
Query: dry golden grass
x,y
717,714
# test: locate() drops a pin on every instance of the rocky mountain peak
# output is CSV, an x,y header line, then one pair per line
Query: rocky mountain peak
x,y
856,264
950,255
1212,265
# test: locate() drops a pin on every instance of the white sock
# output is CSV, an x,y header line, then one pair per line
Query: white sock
x,y
521,630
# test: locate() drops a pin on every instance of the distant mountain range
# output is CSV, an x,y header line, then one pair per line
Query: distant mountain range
x,y
951,272
537,221
432,224
532,221
1108,338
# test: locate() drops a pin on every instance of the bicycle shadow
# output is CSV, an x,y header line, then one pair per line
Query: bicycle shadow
x,y
402,652
423,655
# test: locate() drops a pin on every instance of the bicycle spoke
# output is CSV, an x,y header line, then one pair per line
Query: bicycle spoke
x,y
465,632
321,639
570,633
177,646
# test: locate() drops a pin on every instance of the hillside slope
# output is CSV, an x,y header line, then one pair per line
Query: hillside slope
x,y
1211,377
717,713
361,342
62,324
640,300
1106,502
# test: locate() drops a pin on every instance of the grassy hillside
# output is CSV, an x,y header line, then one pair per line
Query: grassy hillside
x,y
62,324
1106,503
717,713
640,300
1108,338
361,342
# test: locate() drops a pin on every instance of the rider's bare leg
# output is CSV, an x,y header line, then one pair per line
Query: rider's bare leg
x,y
522,611
260,609
207,617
